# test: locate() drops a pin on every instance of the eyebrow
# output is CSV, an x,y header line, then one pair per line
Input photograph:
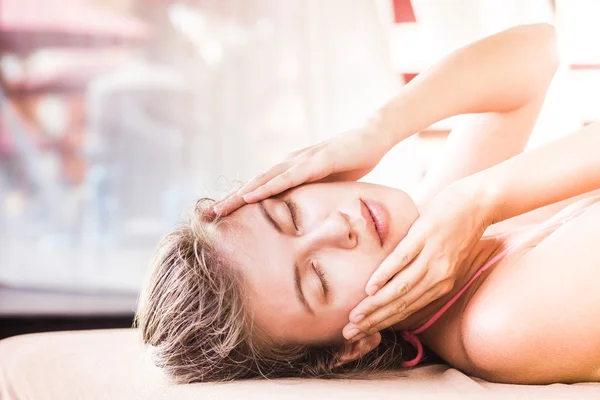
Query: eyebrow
x,y
270,220
299,293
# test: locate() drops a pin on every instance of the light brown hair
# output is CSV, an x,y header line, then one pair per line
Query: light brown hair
x,y
193,316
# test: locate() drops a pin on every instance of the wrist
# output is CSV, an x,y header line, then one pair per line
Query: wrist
x,y
375,129
384,129
486,196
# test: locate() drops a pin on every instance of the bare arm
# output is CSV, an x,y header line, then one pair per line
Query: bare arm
x,y
554,172
479,142
502,78
500,73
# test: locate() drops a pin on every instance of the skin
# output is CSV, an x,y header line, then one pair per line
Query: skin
x,y
502,114
336,232
538,303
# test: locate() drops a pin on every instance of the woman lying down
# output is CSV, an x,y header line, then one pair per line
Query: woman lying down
x,y
494,266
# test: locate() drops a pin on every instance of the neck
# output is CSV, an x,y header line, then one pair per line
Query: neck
x,y
484,250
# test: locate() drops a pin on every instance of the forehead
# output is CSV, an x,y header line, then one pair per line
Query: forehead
x,y
265,259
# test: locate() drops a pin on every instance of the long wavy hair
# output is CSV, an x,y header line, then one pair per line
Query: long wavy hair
x,y
193,315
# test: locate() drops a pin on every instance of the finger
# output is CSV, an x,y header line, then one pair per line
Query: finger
x,y
402,255
208,214
226,197
230,206
391,314
430,296
234,199
407,286
225,204
289,178
265,177
232,192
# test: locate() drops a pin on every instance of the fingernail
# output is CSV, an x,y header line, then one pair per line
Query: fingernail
x,y
358,318
217,209
220,210
351,333
372,289
208,215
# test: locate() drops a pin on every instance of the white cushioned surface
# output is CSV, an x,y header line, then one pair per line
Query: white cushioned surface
x,y
112,364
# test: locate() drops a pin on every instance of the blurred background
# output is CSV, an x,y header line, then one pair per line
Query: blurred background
x,y
116,115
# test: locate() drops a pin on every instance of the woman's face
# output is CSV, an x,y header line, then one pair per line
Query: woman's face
x,y
307,254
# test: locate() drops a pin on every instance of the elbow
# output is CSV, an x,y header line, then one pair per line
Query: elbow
x,y
534,48
549,43
543,44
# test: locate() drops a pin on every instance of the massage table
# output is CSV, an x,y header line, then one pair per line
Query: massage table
x,y
113,364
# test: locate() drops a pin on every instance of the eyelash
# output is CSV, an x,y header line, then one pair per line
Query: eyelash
x,y
322,277
296,220
294,213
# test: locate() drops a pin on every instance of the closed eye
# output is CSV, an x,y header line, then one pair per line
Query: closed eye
x,y
294,212
322,278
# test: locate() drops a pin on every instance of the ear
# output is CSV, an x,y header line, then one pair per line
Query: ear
x,y
355,350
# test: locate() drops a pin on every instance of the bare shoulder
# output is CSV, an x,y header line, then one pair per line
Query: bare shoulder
x,y
535,319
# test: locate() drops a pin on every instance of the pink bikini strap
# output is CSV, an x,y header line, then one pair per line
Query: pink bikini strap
x,y
410,336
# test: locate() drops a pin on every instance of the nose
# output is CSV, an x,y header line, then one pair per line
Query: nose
x,y
335,231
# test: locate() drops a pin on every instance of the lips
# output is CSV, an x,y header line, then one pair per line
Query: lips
x,y
379,216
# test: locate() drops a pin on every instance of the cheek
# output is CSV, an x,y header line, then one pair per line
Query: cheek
x,y
350,277
349,293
